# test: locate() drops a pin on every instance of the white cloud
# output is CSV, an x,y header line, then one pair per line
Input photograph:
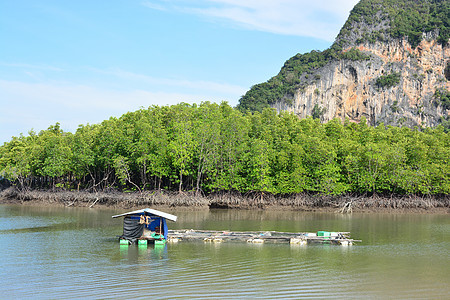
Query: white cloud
x,y
105,93
319,19
35,106
79,96
31,66
153,5
206,87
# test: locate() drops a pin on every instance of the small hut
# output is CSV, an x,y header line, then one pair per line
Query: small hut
x,y
141,226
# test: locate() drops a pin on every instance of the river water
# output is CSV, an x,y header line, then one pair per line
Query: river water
x,y
55,253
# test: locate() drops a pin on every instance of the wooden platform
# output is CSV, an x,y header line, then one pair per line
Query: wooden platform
x,y
300,238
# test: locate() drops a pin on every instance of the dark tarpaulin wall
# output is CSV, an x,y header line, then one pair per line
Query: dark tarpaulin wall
x,y
132,230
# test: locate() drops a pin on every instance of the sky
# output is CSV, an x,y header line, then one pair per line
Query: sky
x,y
82,61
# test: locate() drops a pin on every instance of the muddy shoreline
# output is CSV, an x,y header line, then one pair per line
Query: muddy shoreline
x,y
165,199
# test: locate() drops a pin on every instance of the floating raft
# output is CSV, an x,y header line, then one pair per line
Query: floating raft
x,y
259,237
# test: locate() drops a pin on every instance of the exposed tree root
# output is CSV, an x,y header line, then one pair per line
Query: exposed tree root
x,y
342,204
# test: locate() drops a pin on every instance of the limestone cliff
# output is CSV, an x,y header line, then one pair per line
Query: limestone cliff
x,y
390,63
348,89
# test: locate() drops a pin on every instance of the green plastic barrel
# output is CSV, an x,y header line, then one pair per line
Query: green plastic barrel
x,y
160,242
124,242
142,242
157,236
323,233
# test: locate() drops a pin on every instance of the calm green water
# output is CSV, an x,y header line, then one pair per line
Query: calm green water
x,y
56,253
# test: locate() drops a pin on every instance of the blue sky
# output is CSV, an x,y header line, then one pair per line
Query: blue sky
x,y
79,62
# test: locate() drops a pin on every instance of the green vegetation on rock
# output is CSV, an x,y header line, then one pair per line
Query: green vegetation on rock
x,y
443,97
211,148
445,123
294,75
447,71
403,18
387,81
317,112
354,54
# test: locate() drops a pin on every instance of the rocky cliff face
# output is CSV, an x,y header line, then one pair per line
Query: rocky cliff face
x,y
390,63
348,89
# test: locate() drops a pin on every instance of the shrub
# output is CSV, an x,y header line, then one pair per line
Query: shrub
x,y
387,81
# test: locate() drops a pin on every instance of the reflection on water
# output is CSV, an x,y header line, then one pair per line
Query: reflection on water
x,y
74,253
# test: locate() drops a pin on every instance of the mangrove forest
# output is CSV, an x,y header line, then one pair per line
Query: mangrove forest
x,y
210,148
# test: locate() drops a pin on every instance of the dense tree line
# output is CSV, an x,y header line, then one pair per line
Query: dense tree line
x,y
215,148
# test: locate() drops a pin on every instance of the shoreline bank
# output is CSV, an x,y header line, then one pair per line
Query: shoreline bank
x,y
164,199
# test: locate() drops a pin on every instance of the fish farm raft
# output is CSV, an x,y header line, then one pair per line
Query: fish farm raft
x,y
147,225
259,237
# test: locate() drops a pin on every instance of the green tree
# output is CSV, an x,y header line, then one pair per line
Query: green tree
x,y
182,143
52,154
207,120
15,161
83,158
